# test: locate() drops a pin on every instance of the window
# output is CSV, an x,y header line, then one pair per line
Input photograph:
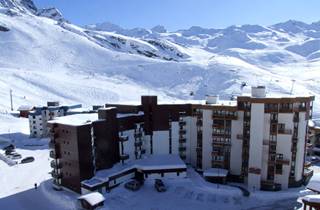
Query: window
x,y
278,169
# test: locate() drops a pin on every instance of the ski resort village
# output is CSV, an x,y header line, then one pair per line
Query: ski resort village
x,y
96,116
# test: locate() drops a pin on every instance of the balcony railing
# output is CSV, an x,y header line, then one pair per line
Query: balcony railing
x,y
199,123
221,142
253,170
138,135
285,131
182,140
55,174
182,149
282,161
182,132
138,143
182,123
54,155
55,164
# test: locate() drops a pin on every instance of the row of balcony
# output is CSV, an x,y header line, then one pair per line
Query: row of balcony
x,y
55,164
56,174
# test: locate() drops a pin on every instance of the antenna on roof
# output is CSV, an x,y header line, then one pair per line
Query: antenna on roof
x,y
293,81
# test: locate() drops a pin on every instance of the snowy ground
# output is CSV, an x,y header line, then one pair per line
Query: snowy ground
x,y
17,185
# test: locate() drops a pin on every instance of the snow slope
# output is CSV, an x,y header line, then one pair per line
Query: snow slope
x,y
44,57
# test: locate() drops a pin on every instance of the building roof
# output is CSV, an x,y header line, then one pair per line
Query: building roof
x,y
92,198
151,162
25,108
76,119
311,198
314,183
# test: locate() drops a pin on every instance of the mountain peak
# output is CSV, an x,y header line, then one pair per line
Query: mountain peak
x,y
20,5
52,13
159,29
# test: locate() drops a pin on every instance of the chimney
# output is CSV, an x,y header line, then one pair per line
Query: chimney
x,y
258,92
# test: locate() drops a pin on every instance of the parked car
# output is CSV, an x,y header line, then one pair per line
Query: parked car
x,y
27,160
133,185
159,185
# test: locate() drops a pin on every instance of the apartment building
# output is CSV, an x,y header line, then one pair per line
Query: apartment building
x,y
258,140
40,115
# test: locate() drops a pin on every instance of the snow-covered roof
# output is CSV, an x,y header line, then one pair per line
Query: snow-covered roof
x,y
76,119
311,123
25,108
121,115
92,198
215,172
152,162
314,183
311,198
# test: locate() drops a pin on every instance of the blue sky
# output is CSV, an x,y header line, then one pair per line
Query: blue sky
x,y
178,14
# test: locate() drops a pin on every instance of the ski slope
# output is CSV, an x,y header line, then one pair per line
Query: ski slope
x,y
43,57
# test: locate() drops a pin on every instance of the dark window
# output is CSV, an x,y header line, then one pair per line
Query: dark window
x,y
278,169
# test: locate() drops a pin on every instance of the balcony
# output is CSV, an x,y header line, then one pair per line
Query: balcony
x,y
224,116
197,114
54,155
286,110
246,117
253,170
55,164
182,132
182,123
285,131
294,140
182,140
273,121
183,156
138,135
123,138
225,143
55,174
138,143
124,157
182,149
199,123
267,142
282,161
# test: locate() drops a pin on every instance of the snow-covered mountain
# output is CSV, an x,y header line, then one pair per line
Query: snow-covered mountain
x,y
43,56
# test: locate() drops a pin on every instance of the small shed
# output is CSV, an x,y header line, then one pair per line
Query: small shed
x,y
91,201
24,110
216,175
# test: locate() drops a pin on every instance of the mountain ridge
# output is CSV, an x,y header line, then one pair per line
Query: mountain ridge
x,y
45,57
